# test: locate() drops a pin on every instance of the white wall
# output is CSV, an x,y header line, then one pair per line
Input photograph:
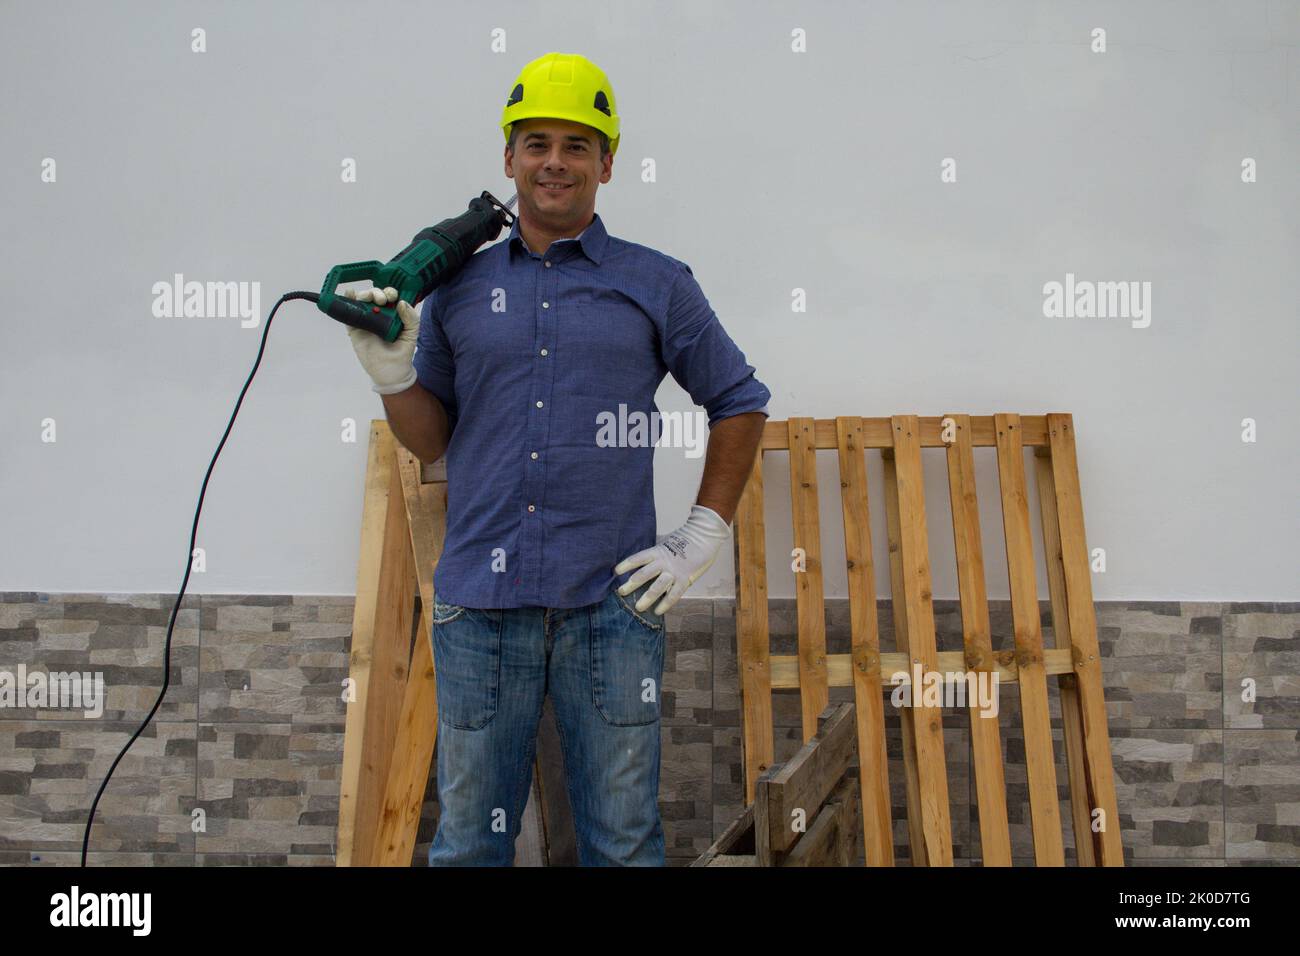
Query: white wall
x,y
775,170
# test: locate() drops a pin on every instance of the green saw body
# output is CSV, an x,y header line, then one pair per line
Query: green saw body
x,y
435,255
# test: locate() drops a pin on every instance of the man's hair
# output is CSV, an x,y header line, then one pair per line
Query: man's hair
x,y
604,140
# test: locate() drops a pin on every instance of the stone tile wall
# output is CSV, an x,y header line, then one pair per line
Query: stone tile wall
x,y
250,735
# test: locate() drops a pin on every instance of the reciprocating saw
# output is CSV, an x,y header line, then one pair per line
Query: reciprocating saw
x,y
432,257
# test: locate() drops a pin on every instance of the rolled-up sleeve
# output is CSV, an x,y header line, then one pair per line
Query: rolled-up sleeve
x,y
435,368
702,357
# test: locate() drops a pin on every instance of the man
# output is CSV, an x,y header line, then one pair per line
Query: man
x,y
550,532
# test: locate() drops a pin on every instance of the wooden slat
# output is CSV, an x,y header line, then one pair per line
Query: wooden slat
x,y
878,432
426,519
877,823
1034,713
927,724
986,741
898,608
374,515
752,641
802,783
736,843
412,748
809,596
833,834
840,668
380,653
1083,634
1071,716
764,820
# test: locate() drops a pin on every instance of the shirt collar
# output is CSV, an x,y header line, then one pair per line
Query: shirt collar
x,y
591,240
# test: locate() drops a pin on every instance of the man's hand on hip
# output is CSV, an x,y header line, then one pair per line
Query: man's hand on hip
x,y
677,561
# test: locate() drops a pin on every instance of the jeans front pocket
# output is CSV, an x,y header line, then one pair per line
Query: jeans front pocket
x,y
648,617
627,661
445,613
467,666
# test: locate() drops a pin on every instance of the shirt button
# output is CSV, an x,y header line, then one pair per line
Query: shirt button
x,y
531,508
548,263
543,351
534,454
539,404
546,305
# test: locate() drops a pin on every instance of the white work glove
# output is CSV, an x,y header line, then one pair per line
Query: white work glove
x,y
678,559
388,363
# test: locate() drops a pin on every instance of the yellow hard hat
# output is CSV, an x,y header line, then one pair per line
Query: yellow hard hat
x,y
564,86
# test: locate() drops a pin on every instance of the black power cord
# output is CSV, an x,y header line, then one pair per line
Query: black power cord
x,y
189,563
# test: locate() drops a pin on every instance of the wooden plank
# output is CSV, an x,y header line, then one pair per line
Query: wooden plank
x,y
426,517
877,822
1085,841
412,749
821,844
809,593
425,506
847,795
840,668
793,792
833,834
898,609
986,741
765,821
381,648
374,514
736,841
1035,716
878,432
1083,634
927,723
752,641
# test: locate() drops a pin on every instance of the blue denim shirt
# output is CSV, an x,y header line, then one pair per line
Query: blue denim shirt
x,y
525,352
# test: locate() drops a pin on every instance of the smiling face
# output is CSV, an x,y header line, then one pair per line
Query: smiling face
x,y
556,165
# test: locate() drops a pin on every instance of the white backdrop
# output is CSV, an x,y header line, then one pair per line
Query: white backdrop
x,y
793,146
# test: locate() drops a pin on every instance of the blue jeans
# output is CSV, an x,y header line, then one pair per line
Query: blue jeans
x,y
603,667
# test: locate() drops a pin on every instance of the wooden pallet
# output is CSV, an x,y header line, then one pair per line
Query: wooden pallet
x,y
391,727
806,812
1075,661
